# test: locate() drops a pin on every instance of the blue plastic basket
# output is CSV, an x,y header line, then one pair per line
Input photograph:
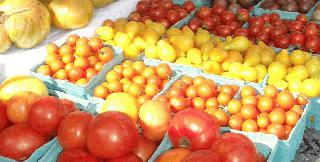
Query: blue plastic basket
x,y
70,88
313,120
197,3
267,145
309,15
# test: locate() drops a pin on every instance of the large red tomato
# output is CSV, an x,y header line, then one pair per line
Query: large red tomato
x,y
202,156
77,155
112,134
126,158
3,116
193,129
72,130
19,141
233,147
155,117
45,114
18,106
174,155
69,105
145,148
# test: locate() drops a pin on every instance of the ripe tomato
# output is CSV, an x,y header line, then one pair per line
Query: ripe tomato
x,y
227,89
223,30
276,129
142,6
164,22
72,39
19,141
263,121
252,100
208,23
246,91
95,43
234,106
81,62
182,13
221,116
105,54
72,130
69,105
241,32
311,31
254,30
83,50
193,129
270,91
189,6
302,18
56,65
66,49
302,100
18,106
135,16
203,155
172,16
175,91
52,48
263,36
164,71
243,15
45,114
277,31
194,24
212,103
177,103
155,117
312,44
236,121
292,118
233,147
277,116
224,98
288,130
76,73
285,100
203,12
199,103
145,148
249,112
227,16
250,125
76,155
158,13
265,104
111,134
90,73
205,90
256,21
191,92
282,41
4,122
124,158
82,41
295,26
173,155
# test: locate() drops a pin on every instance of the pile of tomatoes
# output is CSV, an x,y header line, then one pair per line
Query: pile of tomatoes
x,y
162,11
28,121
218,20
135,78
78,60
280,33
195,136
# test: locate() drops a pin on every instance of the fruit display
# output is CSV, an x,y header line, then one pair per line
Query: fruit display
x,y
234,5
280,33
301,6
315,15
135,78
218,20
133,37
298,72
165,12
195,136
78,60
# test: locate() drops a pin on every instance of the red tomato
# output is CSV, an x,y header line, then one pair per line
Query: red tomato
x,y
111,134
266,17
243,15
167,4
4,122
193,129
172,16
158,13
223,30
182,13
126,158
241,32
277,31
275,16
311,31
174,155
164,21
189,6
302,18
263,36
256,21
227,16
78,155
203,12
142,6
72,130
145,148
254,30
19,141
45,114
298,39
234,25
217,10
312,44
282,41
295,26
267,28
69,105
194,24
234,147
208,23
203,155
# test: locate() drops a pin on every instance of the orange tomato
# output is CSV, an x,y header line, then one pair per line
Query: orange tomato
x,y
72,39
83,50
129,72
292,118
175,91
135,16
265,104
263,121
136,90
144,98
107,22
90,73
270,91
127,63
250,99
51,57
81,62
285,100
76,73
118,69
101,92
250,125
177,103
222,117
92,61
115,86
277,116
66,49
180,84
276,129
45,70
147,72
188,80
262,130
287,131
99,66
236,121
113,76
164,71
56,65
68,67
61,74
235,88
95,43
191,91
138,66
302,100
198,103
162,98
154,80
205,90
126,86
140,80
298,109
234,106
247,91
249,112
227,89
52,48
212,103
198,80
151,89
67,58
163,83
82,41
82,81
125,80
105,54
224,98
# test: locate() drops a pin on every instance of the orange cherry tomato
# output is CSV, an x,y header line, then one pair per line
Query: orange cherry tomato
x,y
246,91
236,121
101,92
249,112
250,125
72,39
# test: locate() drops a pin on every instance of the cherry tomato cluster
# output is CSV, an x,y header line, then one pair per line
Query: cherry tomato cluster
x,y
195,136
162,11
135,78
218,20
280,33
78,60
29,121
